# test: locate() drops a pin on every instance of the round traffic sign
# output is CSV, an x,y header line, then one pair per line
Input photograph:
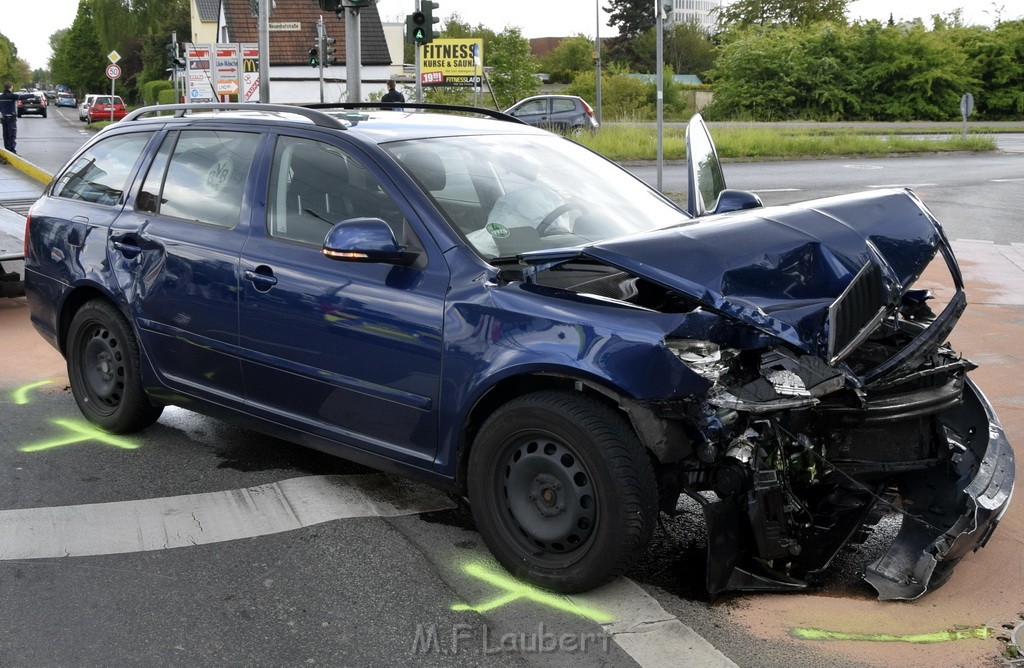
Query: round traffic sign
x,y
113,71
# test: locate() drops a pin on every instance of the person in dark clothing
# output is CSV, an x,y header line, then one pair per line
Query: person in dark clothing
x,y
392,95
9,117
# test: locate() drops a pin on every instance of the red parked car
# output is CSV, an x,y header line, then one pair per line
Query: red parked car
x,y
107,108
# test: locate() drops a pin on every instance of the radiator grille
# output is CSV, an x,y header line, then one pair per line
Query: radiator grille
x,y
853,316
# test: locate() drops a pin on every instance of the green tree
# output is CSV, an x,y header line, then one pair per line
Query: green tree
x,y
8,60
513,67
572,56
78,60
997,60
746,13
912,73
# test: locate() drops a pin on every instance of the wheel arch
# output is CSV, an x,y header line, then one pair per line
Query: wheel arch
x,y
663,440
75,300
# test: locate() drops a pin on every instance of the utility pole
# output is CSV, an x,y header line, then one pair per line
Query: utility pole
x,y
597,59
264,48
353,48
322,52
659,12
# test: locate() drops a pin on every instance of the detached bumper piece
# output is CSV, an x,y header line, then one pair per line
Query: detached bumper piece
x,y
951,509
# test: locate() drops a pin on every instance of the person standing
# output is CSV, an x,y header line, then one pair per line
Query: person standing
x,y
9,117
392,95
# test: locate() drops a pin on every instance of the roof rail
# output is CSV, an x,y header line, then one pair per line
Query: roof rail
x,y
501,116
318,117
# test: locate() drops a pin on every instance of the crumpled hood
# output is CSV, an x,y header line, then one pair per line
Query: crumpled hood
x,y
780,268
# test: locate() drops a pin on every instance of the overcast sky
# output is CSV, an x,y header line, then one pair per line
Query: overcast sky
x,y
537,18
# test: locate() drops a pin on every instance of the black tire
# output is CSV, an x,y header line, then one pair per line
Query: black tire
x,y
103,366
562,491
44,113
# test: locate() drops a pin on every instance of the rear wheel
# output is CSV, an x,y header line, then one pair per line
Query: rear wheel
x,y
103,366
562,491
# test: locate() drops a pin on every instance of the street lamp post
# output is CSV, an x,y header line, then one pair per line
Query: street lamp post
x,y
597,59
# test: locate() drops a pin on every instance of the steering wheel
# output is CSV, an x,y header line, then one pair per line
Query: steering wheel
x,y
554,215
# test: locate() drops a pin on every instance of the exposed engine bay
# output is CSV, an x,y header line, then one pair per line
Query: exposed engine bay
x,y
794,454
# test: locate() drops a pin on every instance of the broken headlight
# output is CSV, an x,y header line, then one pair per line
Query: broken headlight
x,y
705,358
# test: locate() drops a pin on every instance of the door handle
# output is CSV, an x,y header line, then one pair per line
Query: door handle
x,y
127,245
261,280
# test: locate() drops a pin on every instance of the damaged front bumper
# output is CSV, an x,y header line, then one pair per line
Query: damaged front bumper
x,y
955,509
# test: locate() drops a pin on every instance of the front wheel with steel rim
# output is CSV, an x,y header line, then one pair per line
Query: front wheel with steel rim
x,y
562,491
103,367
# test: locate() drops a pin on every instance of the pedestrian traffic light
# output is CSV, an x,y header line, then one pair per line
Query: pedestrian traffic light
x,y
329,50
314,57
419,26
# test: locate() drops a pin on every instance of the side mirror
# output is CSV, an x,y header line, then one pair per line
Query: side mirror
x,y
736,200
365,240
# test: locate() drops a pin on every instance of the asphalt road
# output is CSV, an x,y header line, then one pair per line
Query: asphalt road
x,y
190,570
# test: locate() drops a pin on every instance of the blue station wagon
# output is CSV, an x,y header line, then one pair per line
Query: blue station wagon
x,y
497,311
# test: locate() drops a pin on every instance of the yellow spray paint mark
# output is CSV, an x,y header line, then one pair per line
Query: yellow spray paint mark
x,y
80,433
515,590
20,395
937,636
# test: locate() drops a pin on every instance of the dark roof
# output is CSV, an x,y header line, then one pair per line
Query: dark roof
x,y
209,10
291,47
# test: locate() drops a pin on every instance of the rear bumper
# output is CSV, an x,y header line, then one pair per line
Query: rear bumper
x,y
955,507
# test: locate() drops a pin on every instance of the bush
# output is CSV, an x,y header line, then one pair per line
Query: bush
x,y
151,91
622,97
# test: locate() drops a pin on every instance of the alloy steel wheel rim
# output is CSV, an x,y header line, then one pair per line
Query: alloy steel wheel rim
x,y
103,367
549,496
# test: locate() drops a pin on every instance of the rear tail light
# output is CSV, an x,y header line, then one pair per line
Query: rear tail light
x,y
590,112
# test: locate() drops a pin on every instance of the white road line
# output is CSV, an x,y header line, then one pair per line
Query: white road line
x,y
778,190
903,185
647,632
1006,180
198,519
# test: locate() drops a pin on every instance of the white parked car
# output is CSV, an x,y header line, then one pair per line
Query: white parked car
x,y
83,109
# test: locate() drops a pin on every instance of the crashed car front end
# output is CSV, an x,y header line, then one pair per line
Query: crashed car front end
x,y
834,396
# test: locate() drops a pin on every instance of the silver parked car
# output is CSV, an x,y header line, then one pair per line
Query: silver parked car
x,y
566,114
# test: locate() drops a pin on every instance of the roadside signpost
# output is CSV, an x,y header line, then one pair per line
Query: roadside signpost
x,y
966,109
113,72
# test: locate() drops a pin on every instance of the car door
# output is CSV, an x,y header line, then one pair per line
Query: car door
x,y
346,350
535,112
176,254
564,114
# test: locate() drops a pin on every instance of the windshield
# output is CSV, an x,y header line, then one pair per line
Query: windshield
x,y
511,194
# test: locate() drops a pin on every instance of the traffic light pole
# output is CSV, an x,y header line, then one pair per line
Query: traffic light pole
x,y
353,48
322,53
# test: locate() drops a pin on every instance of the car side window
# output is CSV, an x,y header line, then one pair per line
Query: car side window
x,y
534,107
101,173
314,185
560,105
204,179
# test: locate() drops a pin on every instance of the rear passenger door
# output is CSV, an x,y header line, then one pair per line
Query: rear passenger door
x,y
347,351
175,252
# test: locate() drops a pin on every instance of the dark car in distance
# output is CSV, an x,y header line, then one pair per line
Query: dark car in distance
x,y
31,103
500,312
566,114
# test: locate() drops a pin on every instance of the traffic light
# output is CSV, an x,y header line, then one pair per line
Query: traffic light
x,y
172,55
329,50
314,57
427,8
419,26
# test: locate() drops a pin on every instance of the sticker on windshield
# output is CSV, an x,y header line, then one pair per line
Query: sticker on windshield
x,y
217,176
497,230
